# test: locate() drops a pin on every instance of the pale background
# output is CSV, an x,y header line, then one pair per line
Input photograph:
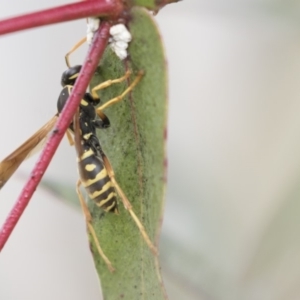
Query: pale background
x,y
232,218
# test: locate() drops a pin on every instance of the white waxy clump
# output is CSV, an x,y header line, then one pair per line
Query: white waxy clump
x,y
120,33
92,26
120,36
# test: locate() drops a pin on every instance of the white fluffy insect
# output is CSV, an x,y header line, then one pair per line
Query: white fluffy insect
x,y
120,36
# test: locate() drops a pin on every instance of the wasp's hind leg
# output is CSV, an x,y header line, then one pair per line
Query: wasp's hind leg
x,y
90,227
108,83
128,205
70,137
120,97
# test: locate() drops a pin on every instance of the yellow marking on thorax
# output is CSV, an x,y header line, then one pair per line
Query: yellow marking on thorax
x,y
86,154
104,189
87,136
90,167
100,175
83,102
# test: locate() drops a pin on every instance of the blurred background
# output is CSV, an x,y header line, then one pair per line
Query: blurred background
x,y
232,218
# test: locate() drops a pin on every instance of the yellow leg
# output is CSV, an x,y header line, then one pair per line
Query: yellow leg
x,y
88,219
108,83
120,97
70,138
76,46
128,205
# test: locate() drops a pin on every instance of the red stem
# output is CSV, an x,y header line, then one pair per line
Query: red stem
x,y
63,13
88,68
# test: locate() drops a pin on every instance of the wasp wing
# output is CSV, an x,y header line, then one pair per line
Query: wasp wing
x,y
11,163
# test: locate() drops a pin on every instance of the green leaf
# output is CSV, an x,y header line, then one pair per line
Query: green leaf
x,y
135,146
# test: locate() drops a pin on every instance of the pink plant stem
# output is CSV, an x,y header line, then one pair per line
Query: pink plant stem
x,y
88,68
63,13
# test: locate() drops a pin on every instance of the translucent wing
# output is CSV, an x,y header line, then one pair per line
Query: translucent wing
x,y
11,163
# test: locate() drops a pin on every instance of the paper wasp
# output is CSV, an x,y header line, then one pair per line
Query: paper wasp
x,y
95,170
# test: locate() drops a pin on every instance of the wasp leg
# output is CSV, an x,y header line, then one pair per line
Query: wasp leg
x,y
70,138
128,205
74,48
88,219
108,83
120,97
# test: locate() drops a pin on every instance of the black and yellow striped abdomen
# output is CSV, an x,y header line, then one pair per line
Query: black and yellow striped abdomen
x,y
95,179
